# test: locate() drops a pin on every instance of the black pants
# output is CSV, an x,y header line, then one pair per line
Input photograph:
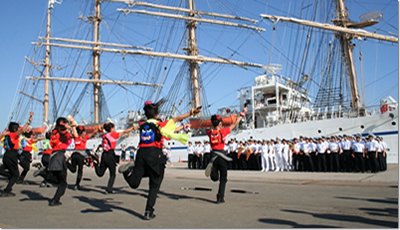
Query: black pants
x,y
45,160
57,173
322,162
307,162
242,162
10,168
25,160
359,162
335,166
314,160
198,161
206,159
219,172
77,161
190,161
148,163
373,162
107,162
348,161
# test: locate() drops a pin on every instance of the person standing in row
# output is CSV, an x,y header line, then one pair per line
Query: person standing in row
x,y
9,168
47,151
190,150
372,148
358,154
108,159
207,153
321,155
217,169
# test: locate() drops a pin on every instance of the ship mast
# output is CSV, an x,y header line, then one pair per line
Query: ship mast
x,y
193,51
347,49
346,33
47,65
96,61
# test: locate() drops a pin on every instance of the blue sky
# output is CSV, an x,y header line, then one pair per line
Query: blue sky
x,y
21,22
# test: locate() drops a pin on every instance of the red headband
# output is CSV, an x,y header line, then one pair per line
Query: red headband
x,y
147,103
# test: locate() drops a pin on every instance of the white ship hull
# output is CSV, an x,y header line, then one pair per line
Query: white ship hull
x,y
377,124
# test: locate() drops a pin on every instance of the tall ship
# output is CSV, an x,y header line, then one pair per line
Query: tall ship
x,y
297,71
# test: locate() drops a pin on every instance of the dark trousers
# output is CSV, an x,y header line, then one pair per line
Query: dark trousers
x,y
347,161
296,162
322,162
206,159
314,160
143,168
10,168
77,161
219,172
45,160
198,161
25,160
335,165
307,162
373,162
235,160
107,162
190,161
359,162
242,162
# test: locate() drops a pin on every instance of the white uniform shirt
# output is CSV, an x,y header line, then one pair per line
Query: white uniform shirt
x,y
278,148
264,149
232,147
334,146
199,149
321,148
190,149
207,148
371,146
358,147
346,145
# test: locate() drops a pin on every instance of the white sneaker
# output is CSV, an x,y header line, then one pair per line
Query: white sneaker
x,y
123,168
207,172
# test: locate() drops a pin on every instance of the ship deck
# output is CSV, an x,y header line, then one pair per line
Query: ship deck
x,y
268,200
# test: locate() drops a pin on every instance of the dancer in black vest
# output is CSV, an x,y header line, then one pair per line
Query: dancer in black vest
x,y
149,158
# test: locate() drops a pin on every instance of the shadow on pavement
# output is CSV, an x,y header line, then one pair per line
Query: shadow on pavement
x,y
348,218
104,205
293,224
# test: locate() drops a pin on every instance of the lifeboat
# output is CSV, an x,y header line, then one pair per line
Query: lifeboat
x,y
39,131
205,122
89,129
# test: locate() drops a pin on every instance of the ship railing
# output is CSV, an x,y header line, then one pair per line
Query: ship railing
x,y
295,116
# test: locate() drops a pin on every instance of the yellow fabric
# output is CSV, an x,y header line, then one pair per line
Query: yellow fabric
x,y
35,150
169,131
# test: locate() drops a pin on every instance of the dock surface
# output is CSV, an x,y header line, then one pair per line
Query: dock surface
x,y
187,198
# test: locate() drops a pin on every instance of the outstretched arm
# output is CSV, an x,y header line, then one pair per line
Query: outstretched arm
x,y
193,111
134,127
25,127
242,114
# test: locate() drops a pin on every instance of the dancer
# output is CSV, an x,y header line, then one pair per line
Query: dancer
x,y
149,160
218,167
47,151
108,158
79,155
9,168
25,158
56,172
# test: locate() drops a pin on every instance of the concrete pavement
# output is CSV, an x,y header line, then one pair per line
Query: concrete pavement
x,y
187,200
